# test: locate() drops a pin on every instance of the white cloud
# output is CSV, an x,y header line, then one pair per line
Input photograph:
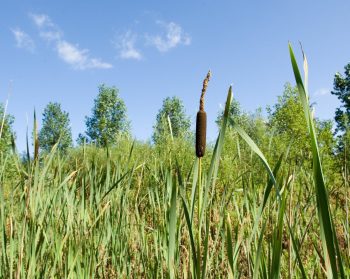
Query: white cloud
x,y
48,30
126,46
79,58
41,20
50,35
23,40
322,92
71,54
173,37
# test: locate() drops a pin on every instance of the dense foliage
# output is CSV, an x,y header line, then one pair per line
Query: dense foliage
x,y
6,131
55,128
108,119
171,119
341,89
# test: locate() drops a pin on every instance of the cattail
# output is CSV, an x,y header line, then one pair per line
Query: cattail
x,y
201,123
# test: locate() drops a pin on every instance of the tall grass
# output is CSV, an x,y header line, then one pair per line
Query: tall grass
x,y
328,235
133,211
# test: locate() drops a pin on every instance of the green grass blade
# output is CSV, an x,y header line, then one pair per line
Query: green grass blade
x,y
296,251
27,149
229,245
206,251
327,229
194,188
232,252
258,256
36,139
172,229
190,232
258,152
277,241
272,181
214,165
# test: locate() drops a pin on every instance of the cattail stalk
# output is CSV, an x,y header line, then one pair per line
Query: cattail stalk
x,y
201,121
201,134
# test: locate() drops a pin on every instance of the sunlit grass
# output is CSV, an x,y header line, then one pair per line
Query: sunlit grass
x,y
132,211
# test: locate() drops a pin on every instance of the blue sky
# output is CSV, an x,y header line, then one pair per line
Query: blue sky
x,y
62,50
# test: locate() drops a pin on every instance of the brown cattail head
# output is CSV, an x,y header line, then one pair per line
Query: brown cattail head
x,y
201,133
201,122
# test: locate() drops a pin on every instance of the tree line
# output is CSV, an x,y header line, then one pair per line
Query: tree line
x,y
108,120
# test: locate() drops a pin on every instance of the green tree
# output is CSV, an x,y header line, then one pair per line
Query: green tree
x,y
341,89
236,114
286,121
6,130
287,124
253,123
55,128
287,116
108,119
174,110
234,147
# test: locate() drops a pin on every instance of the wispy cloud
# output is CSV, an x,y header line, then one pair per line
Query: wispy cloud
x,y
79,58
51,35
23,40
71,54
322,92
126,46
173,37
47,29
41,20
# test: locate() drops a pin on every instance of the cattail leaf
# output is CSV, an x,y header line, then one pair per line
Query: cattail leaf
x,y
215,160
277,241
206,246
296,251
27,148
229,247
258,254
36,138
190,232
328,234
194,187
266,196
257,151
172,228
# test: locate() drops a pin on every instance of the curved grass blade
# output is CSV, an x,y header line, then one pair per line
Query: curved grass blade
x,y
328,234
214,165
258,152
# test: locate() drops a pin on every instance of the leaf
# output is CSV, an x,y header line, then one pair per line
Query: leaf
x,y
214,165
328,234
277,241
172,229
